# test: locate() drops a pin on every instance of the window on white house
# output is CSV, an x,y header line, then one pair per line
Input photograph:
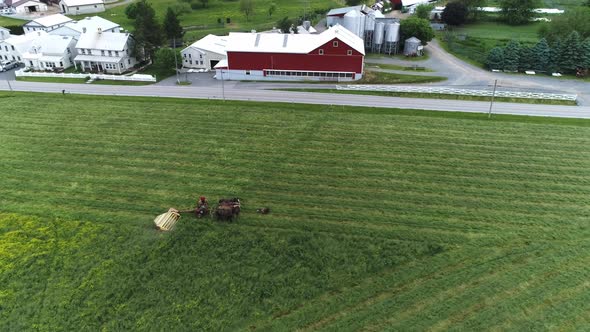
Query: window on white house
x,y
110,53
201,62
129,61
116,53
18,58
61,64
102,53
12,47
191,62
69,52
184,55
335,43
190,56
349,52
321,51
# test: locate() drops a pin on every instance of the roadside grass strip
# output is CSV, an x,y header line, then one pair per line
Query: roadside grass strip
x,y
381,219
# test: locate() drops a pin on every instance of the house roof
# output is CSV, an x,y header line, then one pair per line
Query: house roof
x,y
23,42
71,3
50,44
92,23
49,21
103,41
291,43
211,43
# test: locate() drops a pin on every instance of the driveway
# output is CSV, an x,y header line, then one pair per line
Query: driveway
x,y
461,74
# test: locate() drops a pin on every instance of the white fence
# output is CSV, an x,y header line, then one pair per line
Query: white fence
x,y
461,92
134,77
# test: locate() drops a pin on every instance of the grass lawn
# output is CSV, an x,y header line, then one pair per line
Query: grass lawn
x,y
51,79
439,96
396,67
375,77
7,21
381,219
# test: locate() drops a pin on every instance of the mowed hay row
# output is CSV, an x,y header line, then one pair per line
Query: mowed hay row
x,y
380,219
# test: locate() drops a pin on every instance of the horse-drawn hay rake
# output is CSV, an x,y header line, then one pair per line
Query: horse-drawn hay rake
x,y
227,209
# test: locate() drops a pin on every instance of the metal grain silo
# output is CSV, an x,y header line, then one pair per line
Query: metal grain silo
x,y
378,37
390,44
351,21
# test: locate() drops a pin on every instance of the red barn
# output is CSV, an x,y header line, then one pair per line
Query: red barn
x,y
334,55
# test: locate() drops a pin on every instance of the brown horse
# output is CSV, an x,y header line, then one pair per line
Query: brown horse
x,y
227,209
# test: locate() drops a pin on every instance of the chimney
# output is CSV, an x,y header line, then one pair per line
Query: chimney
x,y
84,30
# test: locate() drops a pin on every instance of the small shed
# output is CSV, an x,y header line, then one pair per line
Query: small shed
x,y
413,47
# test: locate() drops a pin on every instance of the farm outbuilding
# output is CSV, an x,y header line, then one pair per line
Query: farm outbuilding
x,y
205,53
27,6
77,7
413,47
334,55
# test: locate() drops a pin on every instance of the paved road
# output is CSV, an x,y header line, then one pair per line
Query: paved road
x,y
331,100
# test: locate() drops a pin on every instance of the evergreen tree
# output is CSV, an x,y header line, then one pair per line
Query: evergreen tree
x,y
511,56
148,32
554,62
571,56
495,58
525,59
586,53
541,54
172,27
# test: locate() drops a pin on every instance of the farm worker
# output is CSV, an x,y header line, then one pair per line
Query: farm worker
x,y
202,202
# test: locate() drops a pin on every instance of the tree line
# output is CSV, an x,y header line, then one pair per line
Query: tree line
x,y
570,55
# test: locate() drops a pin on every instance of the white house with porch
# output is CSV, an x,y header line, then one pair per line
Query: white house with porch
x,y
14,47
78,7
50,52
46,23
104,52
90,23
27,6
205,53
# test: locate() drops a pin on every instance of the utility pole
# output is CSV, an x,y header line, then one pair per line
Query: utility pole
x,y
175,61
222,86
9,86
492,101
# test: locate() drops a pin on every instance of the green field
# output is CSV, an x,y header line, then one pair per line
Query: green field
x,y
203,21
381,219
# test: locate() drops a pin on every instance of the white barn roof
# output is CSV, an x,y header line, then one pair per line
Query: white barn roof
x,y
103,41
211,43
51,20
291,43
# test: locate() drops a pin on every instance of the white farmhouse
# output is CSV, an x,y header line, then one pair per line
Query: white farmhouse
x,y
205,53
27,6
77,7
104,52
14,47
46,23
4,33
90,23
49,52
